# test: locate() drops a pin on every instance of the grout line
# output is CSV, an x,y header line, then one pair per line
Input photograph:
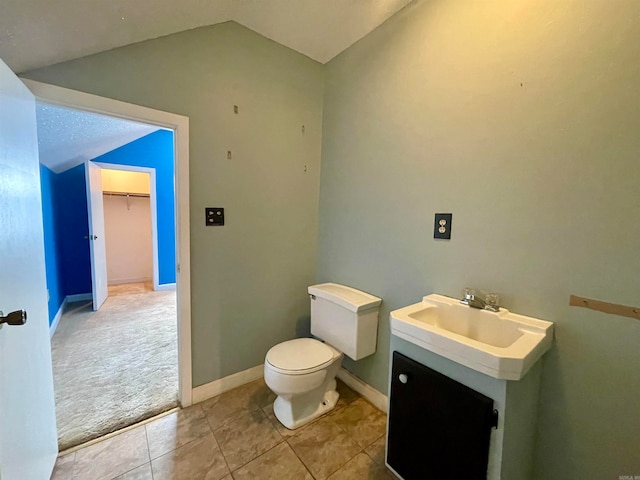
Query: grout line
x,y
204,419
134,468
220,449
343,465
282,440
117,432
298,457
146,435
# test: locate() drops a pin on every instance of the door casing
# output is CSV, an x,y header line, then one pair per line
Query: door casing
x,y
65,97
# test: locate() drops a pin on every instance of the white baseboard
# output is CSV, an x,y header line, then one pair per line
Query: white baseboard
x,y
165,286
212,389
56,319
378,399
125,281
78,297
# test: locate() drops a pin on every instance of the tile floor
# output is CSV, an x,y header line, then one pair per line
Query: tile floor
x,y
236,436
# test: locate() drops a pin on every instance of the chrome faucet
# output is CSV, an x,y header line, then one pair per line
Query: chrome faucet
x,y
489,302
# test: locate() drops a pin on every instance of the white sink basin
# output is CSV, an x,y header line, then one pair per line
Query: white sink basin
x,y
500,344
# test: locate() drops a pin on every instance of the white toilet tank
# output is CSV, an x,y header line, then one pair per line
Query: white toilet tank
x,y
345,318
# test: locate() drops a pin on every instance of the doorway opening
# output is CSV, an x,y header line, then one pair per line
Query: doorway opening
x,y
132,317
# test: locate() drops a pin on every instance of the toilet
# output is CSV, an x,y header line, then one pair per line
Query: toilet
x,y
302,372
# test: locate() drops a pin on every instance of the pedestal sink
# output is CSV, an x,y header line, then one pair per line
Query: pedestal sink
x,y
501,344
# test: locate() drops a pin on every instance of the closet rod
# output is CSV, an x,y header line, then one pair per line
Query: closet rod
x,y
124,194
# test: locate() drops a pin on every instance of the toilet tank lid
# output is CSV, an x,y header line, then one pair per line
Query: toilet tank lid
x,y
347,297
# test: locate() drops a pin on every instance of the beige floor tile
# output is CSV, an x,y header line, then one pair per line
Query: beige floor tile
x,y
143,472
112,457
229,405
63,469
377,450
176,429
198,460
246,437
323,447
361,467
362,421
279,463
347,395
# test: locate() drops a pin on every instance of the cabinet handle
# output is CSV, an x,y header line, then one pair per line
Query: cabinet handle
x,y
403,378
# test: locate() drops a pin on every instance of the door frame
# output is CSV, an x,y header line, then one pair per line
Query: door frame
x,y
154,217
65,97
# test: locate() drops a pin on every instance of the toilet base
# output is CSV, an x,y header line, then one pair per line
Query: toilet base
x,y
305,408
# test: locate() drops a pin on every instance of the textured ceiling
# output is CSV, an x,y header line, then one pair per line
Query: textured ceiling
x,y
36,33
68,137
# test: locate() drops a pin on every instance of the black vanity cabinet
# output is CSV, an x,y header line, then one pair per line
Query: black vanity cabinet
x,y
438,428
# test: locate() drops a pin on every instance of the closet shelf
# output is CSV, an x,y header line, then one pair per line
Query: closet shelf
x,y
125,194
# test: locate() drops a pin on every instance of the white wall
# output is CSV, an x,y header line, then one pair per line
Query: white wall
x,y
127,223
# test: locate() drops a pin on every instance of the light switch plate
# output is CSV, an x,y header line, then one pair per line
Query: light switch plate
x,y
214,217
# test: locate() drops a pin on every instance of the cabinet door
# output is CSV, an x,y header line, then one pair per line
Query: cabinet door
x,y
438,428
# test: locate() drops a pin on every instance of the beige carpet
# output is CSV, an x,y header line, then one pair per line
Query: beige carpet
x,y
116,366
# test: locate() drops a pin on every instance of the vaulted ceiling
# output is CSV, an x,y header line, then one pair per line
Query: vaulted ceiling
x,y
37,33
68,137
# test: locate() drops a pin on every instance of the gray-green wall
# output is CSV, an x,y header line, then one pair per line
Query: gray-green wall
x,y
249,278
523,120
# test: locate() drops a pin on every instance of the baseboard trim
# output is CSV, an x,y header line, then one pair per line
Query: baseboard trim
x,y
378,399
217,387
56,319
124,281
212,389
78,297
165,286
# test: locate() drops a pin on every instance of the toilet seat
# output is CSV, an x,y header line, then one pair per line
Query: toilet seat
x,y
300,356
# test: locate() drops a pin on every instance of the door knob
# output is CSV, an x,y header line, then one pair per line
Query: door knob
x,y
19,317
403,377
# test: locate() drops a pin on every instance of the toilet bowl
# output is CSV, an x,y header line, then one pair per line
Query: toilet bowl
x,y
302,373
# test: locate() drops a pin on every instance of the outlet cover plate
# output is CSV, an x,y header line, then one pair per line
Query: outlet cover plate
x,y
442,226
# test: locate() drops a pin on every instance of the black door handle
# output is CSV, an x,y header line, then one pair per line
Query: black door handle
x,y
19,317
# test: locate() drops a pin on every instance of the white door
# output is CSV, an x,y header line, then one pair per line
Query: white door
x,y
28,437
97,245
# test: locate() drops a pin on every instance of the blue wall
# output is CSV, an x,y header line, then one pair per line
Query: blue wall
x,y
155,151
73,226
51,247
65,222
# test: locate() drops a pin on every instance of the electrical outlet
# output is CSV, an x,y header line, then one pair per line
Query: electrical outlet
x,y
213,217
442,226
